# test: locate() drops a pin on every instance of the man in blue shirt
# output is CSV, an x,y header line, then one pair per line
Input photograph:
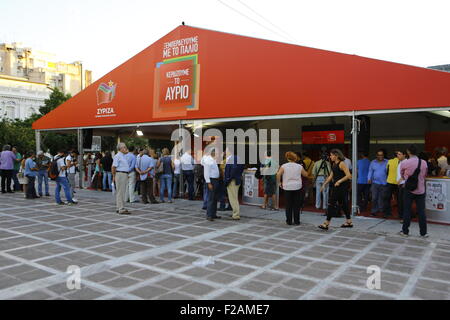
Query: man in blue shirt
x,y
377,177
31,172
145,166
131,159
363,185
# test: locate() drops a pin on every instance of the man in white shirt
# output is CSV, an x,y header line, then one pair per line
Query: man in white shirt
x,y
120,169
61,180
71,161
187,167
205,185
211,174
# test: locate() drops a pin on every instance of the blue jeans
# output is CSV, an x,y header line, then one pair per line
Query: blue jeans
x,y
319,183
188,175
107,177
166,183
62,181
379,195
42,177
408,198
176,183
205,195
16,180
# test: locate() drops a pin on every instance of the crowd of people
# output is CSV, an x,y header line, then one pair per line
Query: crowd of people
x,y
219,179
148,173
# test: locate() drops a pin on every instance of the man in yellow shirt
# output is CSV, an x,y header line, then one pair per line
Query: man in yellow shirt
x,y
392,183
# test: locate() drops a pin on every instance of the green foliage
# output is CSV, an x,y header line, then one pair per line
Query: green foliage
x,y
17,133
56,98
136,142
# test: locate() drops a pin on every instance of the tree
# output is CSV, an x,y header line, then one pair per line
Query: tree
x,y
56,98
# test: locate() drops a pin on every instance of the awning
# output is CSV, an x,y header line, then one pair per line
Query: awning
x,y
193,73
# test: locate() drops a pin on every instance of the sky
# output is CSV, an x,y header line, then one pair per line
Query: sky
x,y
104,34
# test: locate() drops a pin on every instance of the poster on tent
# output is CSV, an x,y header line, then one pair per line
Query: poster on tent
x,y
436,195
249,185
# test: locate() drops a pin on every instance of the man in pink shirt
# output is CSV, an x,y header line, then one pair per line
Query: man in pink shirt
x,y
418,195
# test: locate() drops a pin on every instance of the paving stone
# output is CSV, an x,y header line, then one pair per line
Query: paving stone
x,y
144,274
270,277
36,295
197,289
338,292
23,268
316,273
8,281
171,265
433,285
84,294
299,284
153,261
230,295
103,276
198,272
175,296
149,292
426,294
256,286
239,271
369,296
126,268
438,275
172,283
33,275
286,293
120,282
220,277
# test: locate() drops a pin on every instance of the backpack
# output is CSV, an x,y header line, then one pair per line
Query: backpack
x,y
53,172
413,181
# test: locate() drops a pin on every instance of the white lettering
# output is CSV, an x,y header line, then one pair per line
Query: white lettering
x,y
177,93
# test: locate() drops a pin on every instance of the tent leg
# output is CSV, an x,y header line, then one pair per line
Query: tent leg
x,y
355,131
80,157
181,186
37,135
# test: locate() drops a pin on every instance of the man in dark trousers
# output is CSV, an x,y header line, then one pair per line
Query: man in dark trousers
x,y
408,171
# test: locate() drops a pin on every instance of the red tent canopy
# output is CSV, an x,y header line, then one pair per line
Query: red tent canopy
x,y
193,73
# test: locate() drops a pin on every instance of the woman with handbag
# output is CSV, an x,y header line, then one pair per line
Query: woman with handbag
x,y
339,177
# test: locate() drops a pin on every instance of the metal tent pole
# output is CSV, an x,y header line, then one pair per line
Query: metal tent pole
x,y
80,157
37,134
181,186
355,131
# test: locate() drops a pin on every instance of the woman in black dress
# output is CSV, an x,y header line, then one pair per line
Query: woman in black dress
x,y
340,179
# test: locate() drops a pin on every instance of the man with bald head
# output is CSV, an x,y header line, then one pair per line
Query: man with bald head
x,y
120,169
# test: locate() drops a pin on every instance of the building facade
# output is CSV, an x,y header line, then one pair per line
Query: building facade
x,y
27,75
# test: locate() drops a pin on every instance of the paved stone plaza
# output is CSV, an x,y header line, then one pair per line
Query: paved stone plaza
x,y
150,254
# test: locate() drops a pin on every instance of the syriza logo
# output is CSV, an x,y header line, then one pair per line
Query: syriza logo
x,y
105,95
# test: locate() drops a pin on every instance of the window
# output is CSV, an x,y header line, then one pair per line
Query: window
x,y
11,112
30,112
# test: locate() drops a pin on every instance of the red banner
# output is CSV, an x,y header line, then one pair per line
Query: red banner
x,y
323,137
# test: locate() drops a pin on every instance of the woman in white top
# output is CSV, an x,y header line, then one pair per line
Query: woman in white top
x,y
290,174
